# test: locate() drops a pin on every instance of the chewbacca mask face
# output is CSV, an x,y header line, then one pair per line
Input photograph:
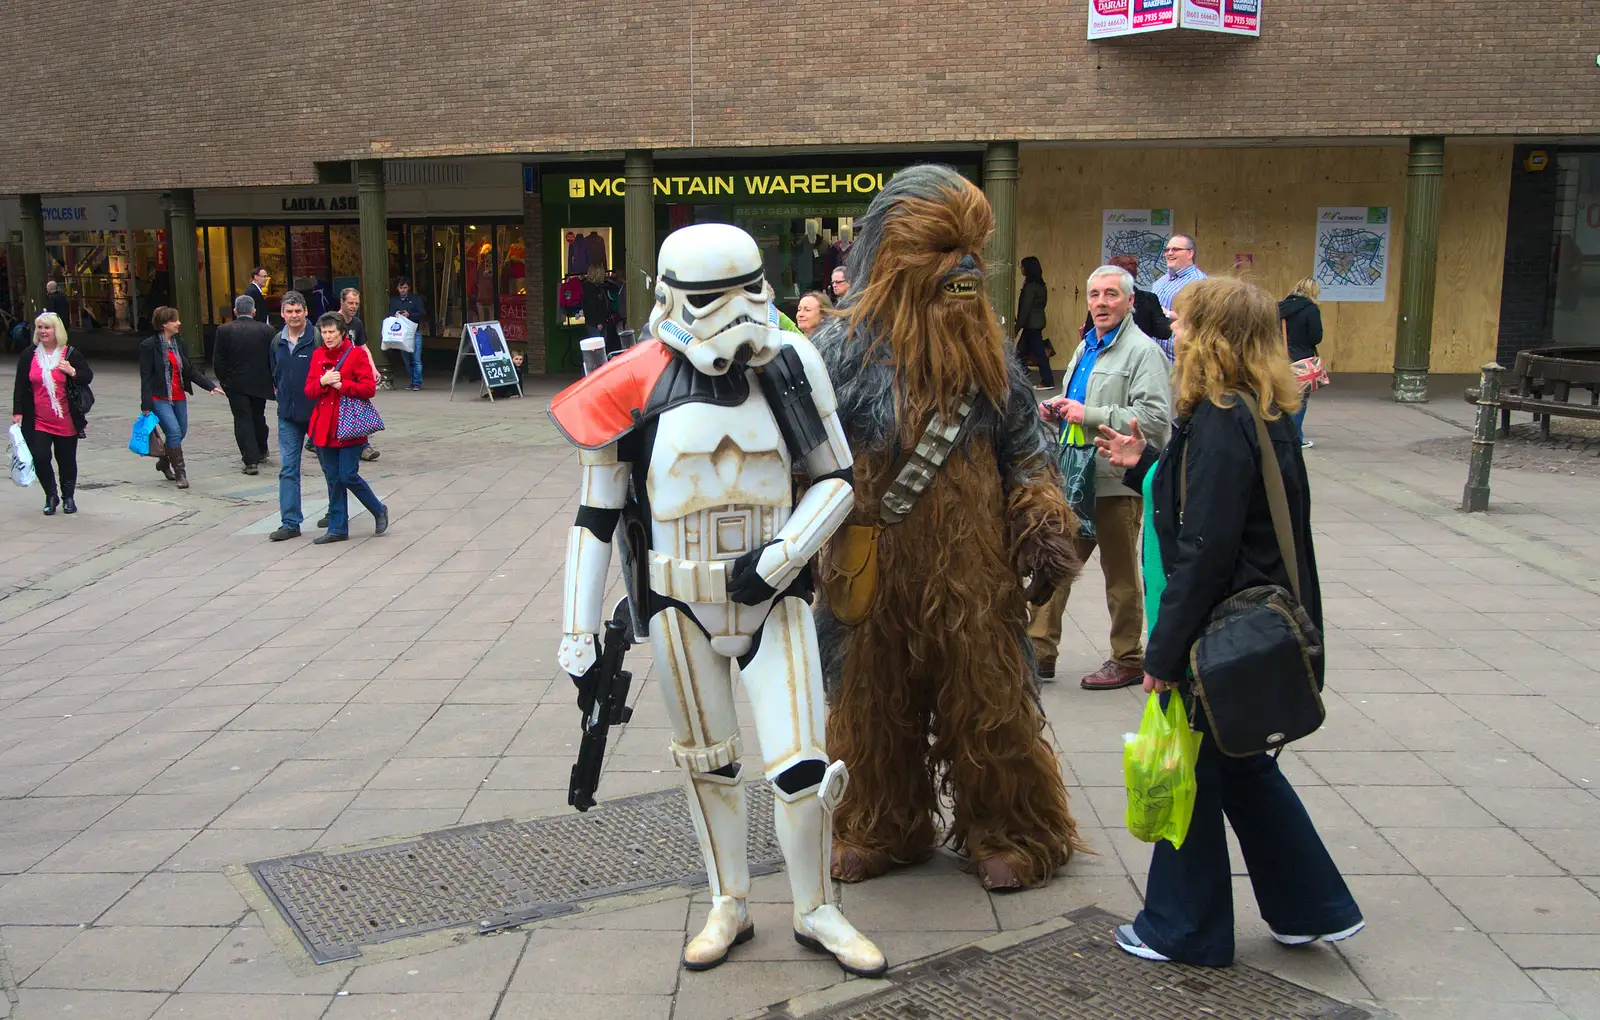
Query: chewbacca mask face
x,y
924,296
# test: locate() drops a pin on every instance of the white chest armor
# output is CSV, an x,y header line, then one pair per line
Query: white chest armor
x,y
713,467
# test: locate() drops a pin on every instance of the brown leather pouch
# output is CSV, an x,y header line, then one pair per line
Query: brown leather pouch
x,y
851,578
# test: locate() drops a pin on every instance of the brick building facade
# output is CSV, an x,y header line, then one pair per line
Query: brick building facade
x,y
209,103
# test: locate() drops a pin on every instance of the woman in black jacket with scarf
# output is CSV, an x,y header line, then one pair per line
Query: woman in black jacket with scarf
x,y
40,404
166,377
1302,332
1216,543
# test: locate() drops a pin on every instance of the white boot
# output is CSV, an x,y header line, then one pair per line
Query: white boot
x,y
716,803
727,925
803,823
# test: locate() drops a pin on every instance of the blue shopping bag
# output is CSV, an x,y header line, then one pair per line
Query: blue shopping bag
x,y
139,440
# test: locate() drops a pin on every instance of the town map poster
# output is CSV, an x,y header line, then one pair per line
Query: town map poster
x,y
1352,252
1141,233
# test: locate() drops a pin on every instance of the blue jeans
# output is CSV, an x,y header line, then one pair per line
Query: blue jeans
x,y
1300,416
341,466
174,418
291,440
1188,901
414,362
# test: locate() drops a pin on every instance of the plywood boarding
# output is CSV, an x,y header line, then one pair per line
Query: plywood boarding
x,y
1264,202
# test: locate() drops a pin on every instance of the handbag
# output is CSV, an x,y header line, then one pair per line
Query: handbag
x,y
1254,664
851,575
357,419
1308,372
80,398
1076,462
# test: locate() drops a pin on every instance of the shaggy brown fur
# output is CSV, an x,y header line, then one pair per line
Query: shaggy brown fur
x,y
936,699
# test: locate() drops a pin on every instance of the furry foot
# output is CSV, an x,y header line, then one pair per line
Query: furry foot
x,y
852,865
727,925
826,931
998,875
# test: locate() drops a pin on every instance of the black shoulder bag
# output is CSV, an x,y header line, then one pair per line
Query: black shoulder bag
x,y
1254,663
80,398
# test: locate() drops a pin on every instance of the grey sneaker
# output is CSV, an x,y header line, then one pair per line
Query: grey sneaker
x,y
1131,944
1303,940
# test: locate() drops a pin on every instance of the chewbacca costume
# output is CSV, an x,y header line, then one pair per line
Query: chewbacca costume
x,y
933,692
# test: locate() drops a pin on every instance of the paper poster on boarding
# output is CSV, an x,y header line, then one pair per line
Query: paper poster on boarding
x,y
1352,252
1141,233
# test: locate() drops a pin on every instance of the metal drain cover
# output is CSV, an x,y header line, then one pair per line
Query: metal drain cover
x,y
1078,972
497,874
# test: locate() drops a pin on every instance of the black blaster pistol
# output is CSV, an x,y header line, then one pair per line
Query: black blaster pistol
x,y
603,700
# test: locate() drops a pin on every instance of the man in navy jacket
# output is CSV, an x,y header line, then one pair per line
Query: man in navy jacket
x,y
291,362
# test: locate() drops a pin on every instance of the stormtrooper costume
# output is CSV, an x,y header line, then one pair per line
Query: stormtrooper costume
x,y
687,442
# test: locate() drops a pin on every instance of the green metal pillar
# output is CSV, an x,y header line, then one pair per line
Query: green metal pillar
x,y
1000,172
1414,334
33,256
374,217
186,270
639,222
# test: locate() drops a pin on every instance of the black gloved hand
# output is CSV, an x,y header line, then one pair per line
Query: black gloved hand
x,y
745,585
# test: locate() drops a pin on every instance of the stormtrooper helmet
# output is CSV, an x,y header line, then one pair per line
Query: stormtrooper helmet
x,y
713,302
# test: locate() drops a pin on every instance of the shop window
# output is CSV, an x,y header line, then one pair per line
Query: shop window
x,y
1577,254
272,245
448,289
582,249
242,245
308,260
152,283
218,308
510,274
344,246
479,271
421,273
396,263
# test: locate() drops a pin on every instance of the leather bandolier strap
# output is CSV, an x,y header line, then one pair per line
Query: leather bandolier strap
x,y
917,472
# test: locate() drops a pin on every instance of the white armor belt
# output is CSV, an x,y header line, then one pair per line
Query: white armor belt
x,y
702,581
706,759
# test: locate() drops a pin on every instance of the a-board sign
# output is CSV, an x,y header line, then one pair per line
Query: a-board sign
x,y
486,342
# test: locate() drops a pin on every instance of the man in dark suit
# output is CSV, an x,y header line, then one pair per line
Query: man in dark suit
x,y
257,292
54,300
243,360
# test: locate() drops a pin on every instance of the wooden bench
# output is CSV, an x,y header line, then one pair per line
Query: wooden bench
x,y
1542,382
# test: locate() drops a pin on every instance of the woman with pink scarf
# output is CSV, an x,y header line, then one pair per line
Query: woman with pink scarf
x,y
39,404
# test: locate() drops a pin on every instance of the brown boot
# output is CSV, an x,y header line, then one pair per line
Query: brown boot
x,y
1110,677
164,465
179,467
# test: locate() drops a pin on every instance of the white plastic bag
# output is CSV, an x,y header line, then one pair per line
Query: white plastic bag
x,y
21,458
399,333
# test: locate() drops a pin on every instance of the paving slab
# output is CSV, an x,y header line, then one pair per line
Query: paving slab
x,y
404,685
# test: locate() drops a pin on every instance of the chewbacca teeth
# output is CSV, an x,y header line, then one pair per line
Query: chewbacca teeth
x,y
961,287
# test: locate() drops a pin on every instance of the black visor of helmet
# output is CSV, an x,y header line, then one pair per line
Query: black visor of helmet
x,y
728,284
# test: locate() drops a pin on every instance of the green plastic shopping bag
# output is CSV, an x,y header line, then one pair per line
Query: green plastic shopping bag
x,y
1158,770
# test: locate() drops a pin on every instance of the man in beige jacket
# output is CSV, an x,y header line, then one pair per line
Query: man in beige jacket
x,y
1117,375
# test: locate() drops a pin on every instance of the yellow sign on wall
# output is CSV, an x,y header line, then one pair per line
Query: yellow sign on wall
x,y
855,185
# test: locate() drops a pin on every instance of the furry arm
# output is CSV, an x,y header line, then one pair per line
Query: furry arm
x,y
604,492
1023,446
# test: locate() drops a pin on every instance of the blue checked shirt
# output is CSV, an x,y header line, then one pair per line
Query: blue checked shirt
x,y
1167,286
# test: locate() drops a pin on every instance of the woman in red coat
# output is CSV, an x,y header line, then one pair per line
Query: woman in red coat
x,y
340,368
